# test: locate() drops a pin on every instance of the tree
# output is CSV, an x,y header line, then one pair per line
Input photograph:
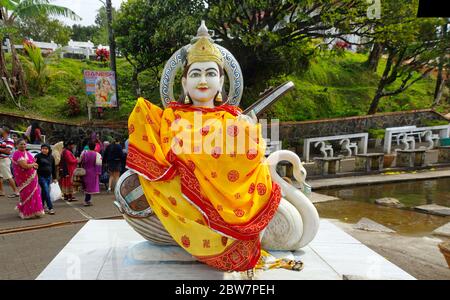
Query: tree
x,y
38,68
443,65
267,37
83,33
148,32
42,28
412,48
101,35
11,10
272,37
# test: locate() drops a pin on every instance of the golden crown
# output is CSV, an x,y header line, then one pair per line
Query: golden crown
x,y
204,50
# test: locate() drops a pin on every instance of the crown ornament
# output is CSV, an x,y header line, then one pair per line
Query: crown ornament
x,y
204,50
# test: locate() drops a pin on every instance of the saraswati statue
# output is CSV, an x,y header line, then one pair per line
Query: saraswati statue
x,y
198,177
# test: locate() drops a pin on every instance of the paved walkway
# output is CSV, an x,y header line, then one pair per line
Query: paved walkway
x,y
28,246
66,212
318,184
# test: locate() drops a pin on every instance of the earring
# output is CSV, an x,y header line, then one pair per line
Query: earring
x,y
186,99
219,97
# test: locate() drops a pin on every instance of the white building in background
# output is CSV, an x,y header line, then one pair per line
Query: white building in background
x,y
75,47
85,49
44,46
100,46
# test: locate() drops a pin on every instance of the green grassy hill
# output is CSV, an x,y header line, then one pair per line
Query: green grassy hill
x,y
340,86
333,86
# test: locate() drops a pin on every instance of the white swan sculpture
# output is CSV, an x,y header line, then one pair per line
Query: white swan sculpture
x,y
296,222
294,225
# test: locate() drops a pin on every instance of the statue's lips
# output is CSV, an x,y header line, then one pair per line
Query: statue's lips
x,y
203,89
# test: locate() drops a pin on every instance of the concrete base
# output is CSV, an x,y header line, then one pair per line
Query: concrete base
x,y
369,162
444,154
410,158
110,249
328,165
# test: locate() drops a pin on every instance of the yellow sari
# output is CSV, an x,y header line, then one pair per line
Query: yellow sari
x,y
208,183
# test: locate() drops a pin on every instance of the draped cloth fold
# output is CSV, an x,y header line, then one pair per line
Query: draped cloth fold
x,y
204,175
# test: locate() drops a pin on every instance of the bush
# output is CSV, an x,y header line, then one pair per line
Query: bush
x,y
376,133
102,54
74,106
434,122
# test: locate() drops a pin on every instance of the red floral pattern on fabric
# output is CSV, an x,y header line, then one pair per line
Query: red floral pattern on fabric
x,y
149,119
152,148
251,154
261,188
172,201
164,212
191,165
233,175
216,152
232,130
131,129
239,212
251,188
185,241
204,131
224,240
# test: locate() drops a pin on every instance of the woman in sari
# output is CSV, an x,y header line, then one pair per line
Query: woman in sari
x,y
91,161
30,204
67,166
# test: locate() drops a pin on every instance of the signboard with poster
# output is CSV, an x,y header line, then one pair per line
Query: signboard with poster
x,y
102,85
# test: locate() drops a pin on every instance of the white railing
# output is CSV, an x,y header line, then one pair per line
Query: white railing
x,y
362,143
404,132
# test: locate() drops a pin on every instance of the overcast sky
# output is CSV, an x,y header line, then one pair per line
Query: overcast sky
x,y
86,9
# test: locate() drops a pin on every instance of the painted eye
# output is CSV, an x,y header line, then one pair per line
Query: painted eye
x,y
194,75
211,74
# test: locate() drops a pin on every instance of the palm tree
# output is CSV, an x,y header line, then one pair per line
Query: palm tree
x,y
10,10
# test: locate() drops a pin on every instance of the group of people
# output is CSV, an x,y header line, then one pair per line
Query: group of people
x,y
31,177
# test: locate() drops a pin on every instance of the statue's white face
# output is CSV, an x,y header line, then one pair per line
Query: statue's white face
x,y
202,83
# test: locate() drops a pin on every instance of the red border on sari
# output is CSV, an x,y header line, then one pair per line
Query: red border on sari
x,y
146,165
234,110
238,256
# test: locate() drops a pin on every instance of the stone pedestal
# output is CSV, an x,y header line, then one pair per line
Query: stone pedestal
x,y
369,162
328,165
444,154
112,250
411,158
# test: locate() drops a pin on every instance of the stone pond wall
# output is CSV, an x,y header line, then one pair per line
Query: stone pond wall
x,y
58,131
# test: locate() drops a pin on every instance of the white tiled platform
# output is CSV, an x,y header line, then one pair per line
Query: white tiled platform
x,y
110,249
